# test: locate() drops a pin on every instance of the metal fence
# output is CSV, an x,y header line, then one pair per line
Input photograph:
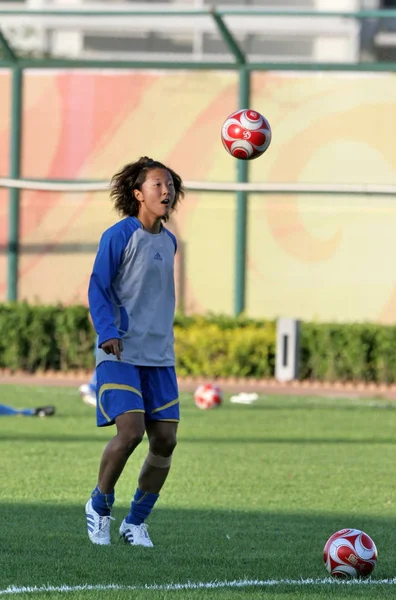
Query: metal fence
x,y
239,63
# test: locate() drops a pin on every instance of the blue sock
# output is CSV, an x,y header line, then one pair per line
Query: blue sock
x,y
27,412
10,411
141,506
102,503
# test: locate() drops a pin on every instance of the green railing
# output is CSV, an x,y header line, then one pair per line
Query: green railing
x,y
240,63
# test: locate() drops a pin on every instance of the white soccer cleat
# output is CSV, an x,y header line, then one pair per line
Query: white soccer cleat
x,y
135,535
98,527
87,394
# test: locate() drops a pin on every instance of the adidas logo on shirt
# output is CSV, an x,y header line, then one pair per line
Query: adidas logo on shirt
x,y
157,256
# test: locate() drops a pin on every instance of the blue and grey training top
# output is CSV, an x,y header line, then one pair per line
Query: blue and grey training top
x,y
132,293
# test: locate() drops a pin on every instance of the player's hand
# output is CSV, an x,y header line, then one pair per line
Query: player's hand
x,y
113,346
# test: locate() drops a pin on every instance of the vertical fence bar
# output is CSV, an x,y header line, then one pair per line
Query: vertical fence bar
x,y
242,166
14,195
242,206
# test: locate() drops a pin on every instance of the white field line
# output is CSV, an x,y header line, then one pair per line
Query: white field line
x,y
13,589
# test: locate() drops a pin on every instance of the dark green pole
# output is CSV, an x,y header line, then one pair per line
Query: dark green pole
x,y
242,206
15,170
242,166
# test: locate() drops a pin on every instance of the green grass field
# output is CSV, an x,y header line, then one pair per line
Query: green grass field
x,y
254,493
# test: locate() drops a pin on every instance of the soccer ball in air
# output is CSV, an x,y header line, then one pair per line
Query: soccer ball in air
x,y
246,134
350,553
208,396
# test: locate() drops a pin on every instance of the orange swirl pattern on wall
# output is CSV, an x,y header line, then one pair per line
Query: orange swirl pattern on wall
x,y
310,257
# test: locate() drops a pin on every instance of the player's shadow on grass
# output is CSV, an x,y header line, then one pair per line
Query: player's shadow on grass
x,y
382,405
102,439
48,544
288,440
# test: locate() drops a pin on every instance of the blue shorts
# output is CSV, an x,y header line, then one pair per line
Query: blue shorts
x,y
123,387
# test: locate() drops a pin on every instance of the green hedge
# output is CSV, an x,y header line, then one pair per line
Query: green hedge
x,y
221,347
61,338
349,352
45,337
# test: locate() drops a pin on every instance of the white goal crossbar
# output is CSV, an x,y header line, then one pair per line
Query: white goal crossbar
x,y
211,186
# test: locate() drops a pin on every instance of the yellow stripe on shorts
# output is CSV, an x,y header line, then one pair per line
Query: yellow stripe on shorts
x,y
114,386
172,403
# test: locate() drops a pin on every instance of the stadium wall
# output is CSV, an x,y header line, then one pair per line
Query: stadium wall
x,y
324,258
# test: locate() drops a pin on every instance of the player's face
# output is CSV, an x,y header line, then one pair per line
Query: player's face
x,y
157,194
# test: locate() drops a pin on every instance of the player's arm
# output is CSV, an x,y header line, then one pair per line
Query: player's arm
x,y
107,262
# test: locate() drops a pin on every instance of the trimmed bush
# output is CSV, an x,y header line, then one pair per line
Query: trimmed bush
x,y
45,337
36,337
210,350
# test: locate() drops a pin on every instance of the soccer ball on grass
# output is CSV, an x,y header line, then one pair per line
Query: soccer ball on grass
x,y
350,553
208,396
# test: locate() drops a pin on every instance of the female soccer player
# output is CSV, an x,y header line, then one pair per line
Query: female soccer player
x,y
132,304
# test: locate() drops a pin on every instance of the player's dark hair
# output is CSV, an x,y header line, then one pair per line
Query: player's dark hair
x,y
131,177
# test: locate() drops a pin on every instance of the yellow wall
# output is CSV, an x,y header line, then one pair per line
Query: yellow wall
x,y
311,257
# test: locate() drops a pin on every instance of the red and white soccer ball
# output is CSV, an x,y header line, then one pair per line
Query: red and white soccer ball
x,y
246,134
350,553
208,396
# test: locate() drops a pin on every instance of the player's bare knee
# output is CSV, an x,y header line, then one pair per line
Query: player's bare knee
x,y
129,440
163,446
130,432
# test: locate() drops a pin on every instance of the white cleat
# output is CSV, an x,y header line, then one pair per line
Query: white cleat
x,y
87,394
135,535
98,527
